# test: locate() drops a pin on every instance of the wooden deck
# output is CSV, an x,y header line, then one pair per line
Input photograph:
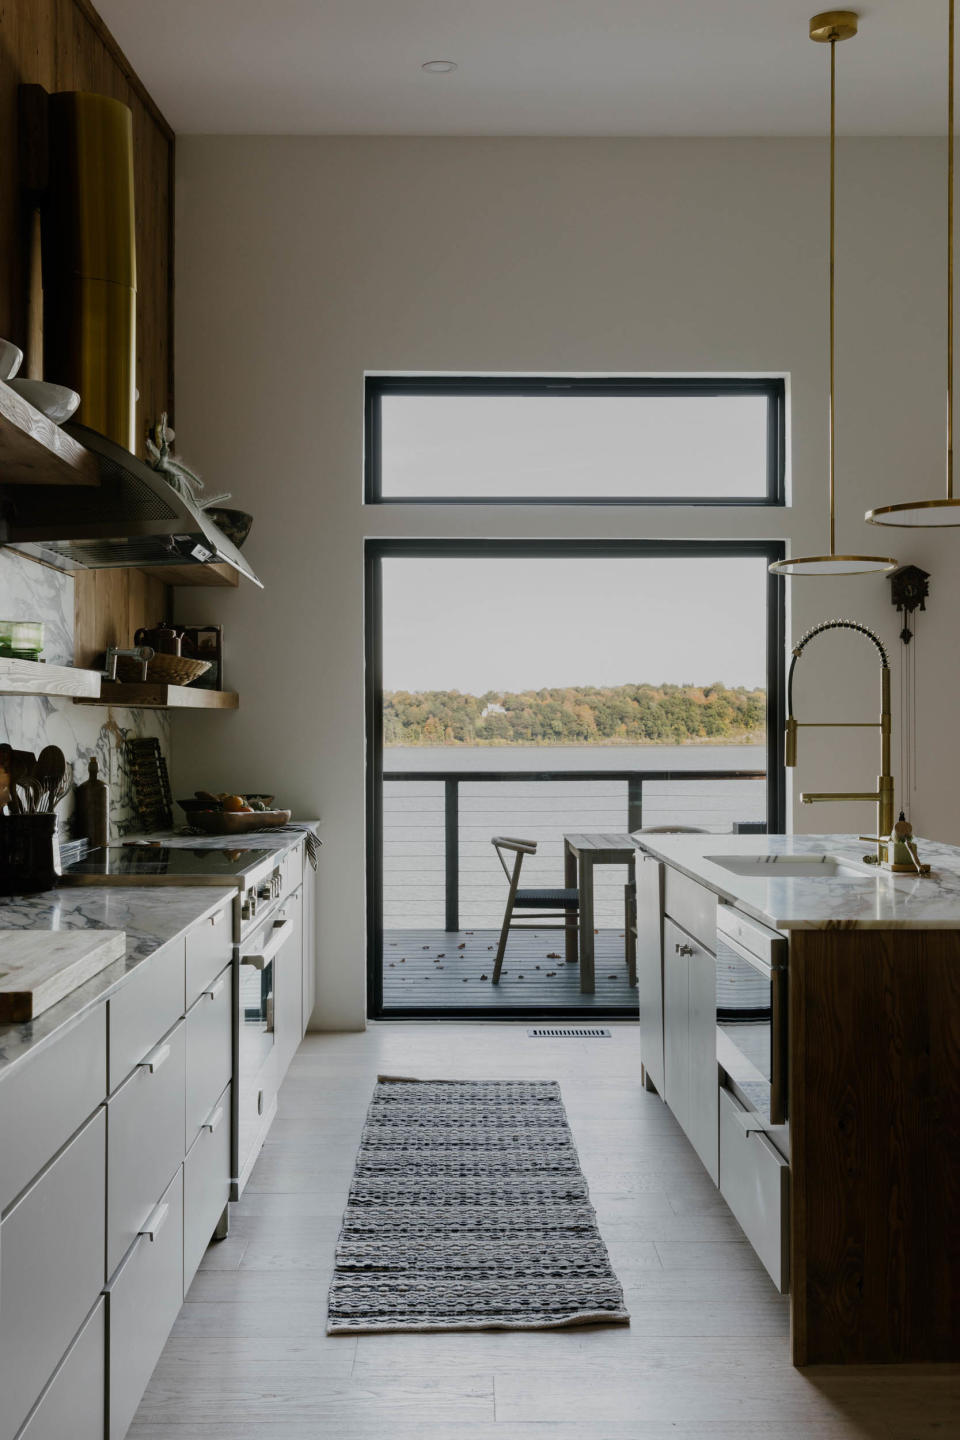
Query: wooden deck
x,y
441,969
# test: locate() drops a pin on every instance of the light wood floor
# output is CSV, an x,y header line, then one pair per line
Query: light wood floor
x,y
705,1355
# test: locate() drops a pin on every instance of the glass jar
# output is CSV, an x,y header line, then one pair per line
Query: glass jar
x,y
26,639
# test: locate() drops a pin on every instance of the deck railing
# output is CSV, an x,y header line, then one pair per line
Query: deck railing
x,y
439,869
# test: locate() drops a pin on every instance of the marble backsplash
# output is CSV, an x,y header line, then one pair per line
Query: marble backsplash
x,y
30,591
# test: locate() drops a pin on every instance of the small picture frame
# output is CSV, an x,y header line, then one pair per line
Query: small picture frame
x,y
205,642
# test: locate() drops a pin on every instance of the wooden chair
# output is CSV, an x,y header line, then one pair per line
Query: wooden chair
x,y
551,903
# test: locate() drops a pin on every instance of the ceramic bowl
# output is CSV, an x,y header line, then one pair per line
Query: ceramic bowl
x,y
11,358
57,402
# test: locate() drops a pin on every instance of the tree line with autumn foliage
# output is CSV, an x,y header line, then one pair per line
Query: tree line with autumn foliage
x,y
577,715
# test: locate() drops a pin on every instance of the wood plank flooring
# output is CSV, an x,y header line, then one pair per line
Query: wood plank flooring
x,y
705,1354
451,969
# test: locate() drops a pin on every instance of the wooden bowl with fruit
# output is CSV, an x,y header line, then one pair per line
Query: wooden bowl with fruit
x,y
227,814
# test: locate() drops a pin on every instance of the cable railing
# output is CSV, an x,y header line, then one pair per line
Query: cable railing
x,y
440,871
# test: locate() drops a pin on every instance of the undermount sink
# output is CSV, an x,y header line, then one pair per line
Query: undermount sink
x,y
791,867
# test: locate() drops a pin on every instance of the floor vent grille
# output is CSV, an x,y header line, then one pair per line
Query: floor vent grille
x,y
576,1032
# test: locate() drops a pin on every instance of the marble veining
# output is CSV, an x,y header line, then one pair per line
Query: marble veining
x,y
877,901
30,591
150,918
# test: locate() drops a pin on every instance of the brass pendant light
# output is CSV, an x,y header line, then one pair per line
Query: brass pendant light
x,y
945,511
828,28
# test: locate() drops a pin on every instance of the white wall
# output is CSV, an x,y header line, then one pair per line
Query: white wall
x,y
302,262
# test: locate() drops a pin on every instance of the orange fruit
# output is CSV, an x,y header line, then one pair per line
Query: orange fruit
x,y
233,804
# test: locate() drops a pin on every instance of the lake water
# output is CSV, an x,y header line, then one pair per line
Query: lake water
x,y
541,810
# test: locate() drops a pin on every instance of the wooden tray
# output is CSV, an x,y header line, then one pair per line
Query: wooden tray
x,y
39,967
227,822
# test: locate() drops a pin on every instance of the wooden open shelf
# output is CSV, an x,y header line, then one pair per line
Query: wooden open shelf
x,y
215,572
29,677
152,695
34,451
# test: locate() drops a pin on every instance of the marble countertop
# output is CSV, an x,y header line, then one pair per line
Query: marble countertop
x,y
149,917
278,839
860,899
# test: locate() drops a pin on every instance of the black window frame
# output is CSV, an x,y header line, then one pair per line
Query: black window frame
x,y
377,386
375,551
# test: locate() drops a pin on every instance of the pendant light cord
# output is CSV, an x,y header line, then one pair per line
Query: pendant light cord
x,y
950,260
833,324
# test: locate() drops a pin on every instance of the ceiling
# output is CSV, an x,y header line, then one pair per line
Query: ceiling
x,y
532,67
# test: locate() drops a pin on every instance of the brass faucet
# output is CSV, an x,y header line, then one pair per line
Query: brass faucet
x,y
882,797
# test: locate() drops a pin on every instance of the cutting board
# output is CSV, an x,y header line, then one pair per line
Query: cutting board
x,y
39,967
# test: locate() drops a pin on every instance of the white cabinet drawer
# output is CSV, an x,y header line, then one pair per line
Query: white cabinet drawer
x,y
151,1001
209,948
75,1402
47,1098
206,1185
51,1270
145,1141
755,1182
143,1301
288,983
209,1049
291,871
692,906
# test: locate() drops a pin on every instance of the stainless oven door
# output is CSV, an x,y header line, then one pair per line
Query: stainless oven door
x,y
752,1014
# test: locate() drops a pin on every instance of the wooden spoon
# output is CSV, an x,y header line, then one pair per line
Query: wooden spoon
x,y
51,767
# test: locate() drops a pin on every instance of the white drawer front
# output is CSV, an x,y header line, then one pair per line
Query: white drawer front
x,y
48,1098
209,1049
209,947
755,1182
51,1270
145,1141
75,1403
150,1002
692,906
143,1301
206,1185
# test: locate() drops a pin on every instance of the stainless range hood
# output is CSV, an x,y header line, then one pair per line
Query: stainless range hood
x,y
132,518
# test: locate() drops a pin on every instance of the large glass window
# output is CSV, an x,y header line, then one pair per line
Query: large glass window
x,y
653,441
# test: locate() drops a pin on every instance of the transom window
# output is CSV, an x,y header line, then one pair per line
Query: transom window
x,y
663,440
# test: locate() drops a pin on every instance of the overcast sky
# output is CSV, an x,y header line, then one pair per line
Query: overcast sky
x,y
531,623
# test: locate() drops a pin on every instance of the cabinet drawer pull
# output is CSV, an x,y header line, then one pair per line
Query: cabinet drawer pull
x,y
213,1121
155,1221
684,949
157,1058
262,958
215,990
216,919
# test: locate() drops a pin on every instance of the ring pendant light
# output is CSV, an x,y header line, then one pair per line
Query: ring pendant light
x,y
945,511
829,28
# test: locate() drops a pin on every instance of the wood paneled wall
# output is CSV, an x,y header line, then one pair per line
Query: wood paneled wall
x,y
64,45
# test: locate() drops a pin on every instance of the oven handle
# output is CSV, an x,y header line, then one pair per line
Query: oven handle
x,y
260,959
777,975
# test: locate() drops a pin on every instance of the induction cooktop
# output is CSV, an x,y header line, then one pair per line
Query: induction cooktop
x,y
161,865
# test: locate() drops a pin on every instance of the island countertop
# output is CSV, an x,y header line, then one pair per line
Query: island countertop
x,y
868,899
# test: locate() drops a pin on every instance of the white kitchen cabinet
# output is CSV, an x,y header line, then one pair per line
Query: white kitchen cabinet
x,y
755,1182
74,1403
689,1033
209,1046
649,922
310,885
288,979
206,1185
51,1270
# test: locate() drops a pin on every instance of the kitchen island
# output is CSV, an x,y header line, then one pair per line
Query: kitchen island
x,y
800,1014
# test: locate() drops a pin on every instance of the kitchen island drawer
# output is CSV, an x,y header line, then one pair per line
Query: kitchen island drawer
x,y
143,1301
47,1098
145,1140
209,1050
151,1001
691,906
209,947
51,1270
755,1182
206,1185
75,1402
291,871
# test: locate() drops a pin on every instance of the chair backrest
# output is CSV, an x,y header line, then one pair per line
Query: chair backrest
x,y
518,848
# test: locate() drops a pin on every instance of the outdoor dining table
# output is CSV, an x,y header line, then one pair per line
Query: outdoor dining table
x,y
580,854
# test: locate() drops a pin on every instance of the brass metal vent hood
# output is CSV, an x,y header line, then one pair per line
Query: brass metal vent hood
x,y
132,518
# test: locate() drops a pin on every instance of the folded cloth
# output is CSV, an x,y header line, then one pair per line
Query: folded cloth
x,y
302,828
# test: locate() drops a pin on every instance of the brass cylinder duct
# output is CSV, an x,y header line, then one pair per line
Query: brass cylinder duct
x,y
89,261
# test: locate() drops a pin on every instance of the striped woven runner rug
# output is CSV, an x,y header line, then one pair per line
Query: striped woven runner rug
x,y
468,1210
